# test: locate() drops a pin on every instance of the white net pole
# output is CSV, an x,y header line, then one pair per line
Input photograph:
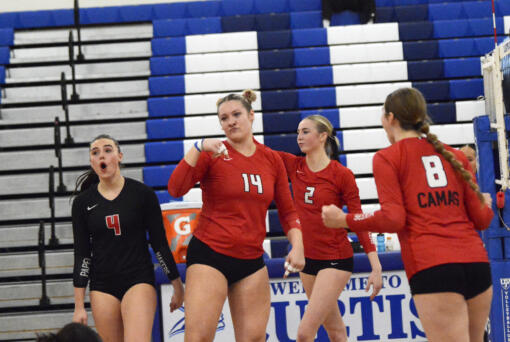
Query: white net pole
x,y
494,105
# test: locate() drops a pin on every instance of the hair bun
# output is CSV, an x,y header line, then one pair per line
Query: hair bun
x,y
249,95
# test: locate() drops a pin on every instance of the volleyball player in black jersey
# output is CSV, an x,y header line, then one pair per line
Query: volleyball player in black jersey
x,y
111,217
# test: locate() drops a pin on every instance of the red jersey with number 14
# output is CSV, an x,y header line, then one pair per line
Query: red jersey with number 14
x,y
236,193
333,185
429,205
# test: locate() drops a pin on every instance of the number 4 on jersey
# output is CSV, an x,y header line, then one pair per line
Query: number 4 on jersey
x,y
255,180
436,177
113,222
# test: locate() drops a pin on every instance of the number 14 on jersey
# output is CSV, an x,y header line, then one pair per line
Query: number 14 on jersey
x,y
253,180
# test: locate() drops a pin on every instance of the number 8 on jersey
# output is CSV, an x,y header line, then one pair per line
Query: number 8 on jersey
x,y
436,177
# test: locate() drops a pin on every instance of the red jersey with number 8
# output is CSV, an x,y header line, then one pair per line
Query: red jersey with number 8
x,y
429,205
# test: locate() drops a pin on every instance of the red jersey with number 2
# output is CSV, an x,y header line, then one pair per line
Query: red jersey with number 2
x,y
429,205
236,193
333,185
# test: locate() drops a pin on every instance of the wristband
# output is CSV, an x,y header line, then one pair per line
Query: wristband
x,y
198,148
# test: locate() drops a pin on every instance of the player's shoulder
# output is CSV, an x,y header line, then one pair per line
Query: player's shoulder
x,y
391,151
339,174
388,154
396,151
86,194
338,168
268,152
136,185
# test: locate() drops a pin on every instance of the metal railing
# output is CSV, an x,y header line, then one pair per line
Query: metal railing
x,y
65,106
53,242
80,56
61,188
44,301
74,96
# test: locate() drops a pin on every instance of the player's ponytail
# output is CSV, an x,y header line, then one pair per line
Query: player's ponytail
x,y
450,157
85,181
323,125
332,146
246,98
410,108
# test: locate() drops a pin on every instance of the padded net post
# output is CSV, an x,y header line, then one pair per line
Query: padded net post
x,y
494,106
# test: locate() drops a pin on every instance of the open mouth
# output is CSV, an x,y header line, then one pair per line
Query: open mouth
x,y
103,165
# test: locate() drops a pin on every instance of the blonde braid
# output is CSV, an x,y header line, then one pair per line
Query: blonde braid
x,y
450,157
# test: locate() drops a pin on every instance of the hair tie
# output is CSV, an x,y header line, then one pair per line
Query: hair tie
x,y
418,125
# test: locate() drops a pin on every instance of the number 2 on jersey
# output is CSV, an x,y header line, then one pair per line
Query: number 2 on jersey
x,y
255,180
113,222
436,177
308,194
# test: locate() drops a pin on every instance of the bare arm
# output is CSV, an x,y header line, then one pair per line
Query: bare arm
x,y
80,314
375,278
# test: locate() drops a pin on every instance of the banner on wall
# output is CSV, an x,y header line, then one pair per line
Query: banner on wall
x,y
391,316
500,310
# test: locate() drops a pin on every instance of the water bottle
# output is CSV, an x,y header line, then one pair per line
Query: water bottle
x,y
381,243
389,243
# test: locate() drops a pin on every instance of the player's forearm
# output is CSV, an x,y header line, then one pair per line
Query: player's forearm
x,y
295,238
374,262
79,297
193,155
181,180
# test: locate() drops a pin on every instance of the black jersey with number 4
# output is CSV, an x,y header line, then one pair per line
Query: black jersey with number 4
x,y
110,237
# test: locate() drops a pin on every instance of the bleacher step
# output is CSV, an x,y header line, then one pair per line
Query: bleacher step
x,y
28,293
77,112
83,71
42,159
90,52
26,325
80,134
87,34
98,90
28,236
34,183
27,263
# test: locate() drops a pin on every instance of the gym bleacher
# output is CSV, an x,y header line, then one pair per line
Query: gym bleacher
x,y
151,76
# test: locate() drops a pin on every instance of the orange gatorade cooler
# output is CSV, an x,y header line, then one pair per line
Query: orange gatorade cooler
x,y
180,220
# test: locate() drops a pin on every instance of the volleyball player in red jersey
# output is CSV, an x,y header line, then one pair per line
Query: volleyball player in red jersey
x,y
239,178
319,179
429,197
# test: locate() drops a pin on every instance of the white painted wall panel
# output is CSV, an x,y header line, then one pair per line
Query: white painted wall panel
x,y
468,110
206,104
366,94
222,61
360,116
235,81
370,73
362,33
236,41
360,53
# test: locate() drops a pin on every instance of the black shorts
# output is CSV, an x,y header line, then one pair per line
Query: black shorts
x,y
118,286
468,279
313,266
233,269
